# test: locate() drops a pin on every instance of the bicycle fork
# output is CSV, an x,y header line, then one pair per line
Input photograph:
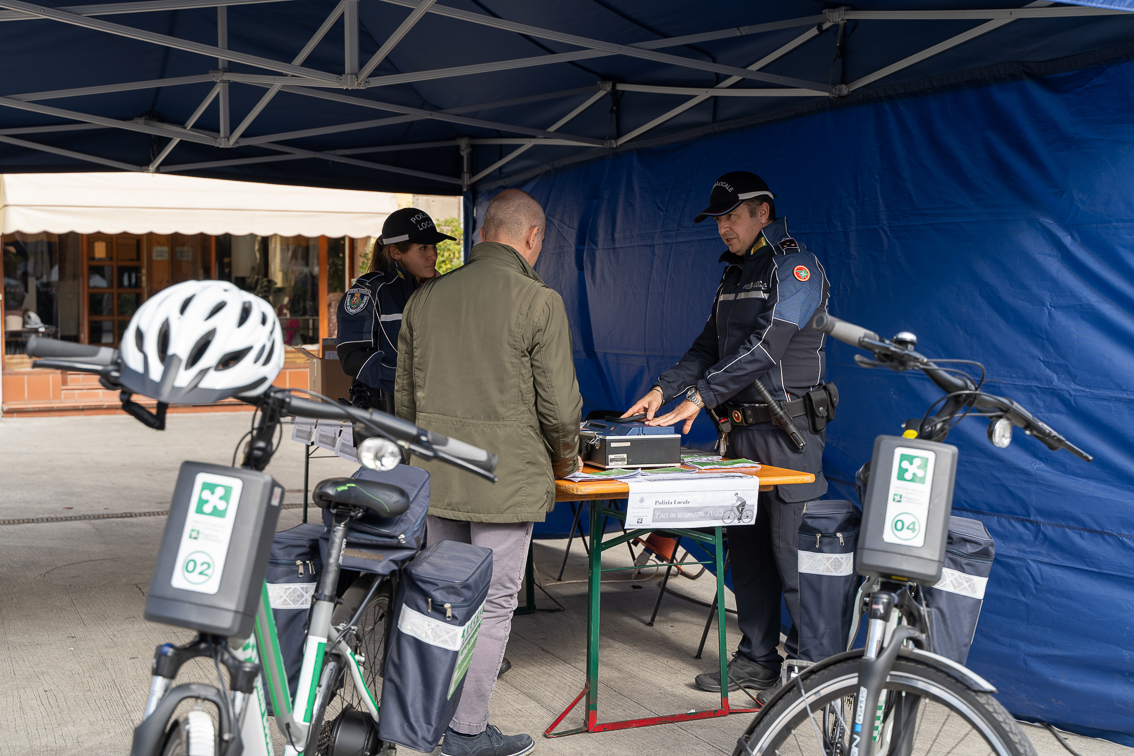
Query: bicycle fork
x,y
877,661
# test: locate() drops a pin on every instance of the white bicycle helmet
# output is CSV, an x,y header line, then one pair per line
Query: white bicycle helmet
x,y
199,342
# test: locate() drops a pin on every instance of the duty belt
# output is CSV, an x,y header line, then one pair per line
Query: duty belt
x,y
740,414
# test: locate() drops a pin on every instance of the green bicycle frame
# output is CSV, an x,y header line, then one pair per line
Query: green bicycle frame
x,y
293,717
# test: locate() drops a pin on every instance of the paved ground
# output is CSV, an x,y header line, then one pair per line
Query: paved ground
x,y
75,651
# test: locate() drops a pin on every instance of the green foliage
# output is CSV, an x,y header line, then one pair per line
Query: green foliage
x,y
450,254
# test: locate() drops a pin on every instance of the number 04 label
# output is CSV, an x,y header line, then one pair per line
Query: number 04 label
x,y
907,502
208,530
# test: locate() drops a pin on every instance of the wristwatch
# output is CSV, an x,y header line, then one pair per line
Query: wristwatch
x,y
693,397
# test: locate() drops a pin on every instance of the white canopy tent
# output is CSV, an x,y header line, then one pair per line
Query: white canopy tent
x,y
139,203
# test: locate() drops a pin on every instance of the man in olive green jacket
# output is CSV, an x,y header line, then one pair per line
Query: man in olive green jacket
x,y
484,356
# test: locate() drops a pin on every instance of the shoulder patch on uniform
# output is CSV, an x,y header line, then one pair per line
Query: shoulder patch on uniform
x,y
801,272
787,243
354,301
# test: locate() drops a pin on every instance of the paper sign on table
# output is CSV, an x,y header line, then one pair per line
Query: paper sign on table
x,y
695,502
303,431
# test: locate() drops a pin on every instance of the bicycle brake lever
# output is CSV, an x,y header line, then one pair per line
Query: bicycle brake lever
x,y
866,362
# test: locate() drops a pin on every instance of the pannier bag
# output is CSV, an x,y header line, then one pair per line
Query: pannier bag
x,y
956,599
294,566
380,545
828,537
440,604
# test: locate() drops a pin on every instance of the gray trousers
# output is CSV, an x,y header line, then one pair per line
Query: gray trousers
x,y
509,543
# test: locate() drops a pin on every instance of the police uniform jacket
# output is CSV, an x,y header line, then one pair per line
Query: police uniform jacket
x,y
370,318
485,357
760,328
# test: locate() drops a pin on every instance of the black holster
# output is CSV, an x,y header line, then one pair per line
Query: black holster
x,y
820,404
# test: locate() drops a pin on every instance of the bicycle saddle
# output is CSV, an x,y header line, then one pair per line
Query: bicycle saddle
x,y
382,499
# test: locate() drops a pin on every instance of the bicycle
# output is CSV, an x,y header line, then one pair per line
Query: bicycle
x,y
345,637
895,696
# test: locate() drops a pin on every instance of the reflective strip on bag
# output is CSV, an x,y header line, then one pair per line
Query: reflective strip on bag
x,y
962,584
290,595
435,632
832,565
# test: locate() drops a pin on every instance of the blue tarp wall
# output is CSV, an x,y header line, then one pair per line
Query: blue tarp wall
x,y
994,221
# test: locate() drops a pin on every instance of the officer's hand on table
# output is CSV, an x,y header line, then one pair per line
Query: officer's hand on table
x,y
650,403
686,411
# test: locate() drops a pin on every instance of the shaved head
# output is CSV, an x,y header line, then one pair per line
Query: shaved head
x,y
511,216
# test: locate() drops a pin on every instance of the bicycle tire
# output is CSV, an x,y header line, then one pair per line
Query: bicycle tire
x,y
812,717
191,735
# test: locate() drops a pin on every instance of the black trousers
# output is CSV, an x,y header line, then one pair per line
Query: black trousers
x,y
765,555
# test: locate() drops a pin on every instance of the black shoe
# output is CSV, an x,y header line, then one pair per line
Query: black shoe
x,y
504,667
742,672
491,742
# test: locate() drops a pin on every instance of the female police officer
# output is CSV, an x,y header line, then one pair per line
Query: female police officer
x,y
370,313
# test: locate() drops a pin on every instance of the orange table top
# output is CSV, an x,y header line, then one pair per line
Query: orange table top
x,y
587,490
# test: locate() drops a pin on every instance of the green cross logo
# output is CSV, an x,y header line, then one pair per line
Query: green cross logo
x,y
214,499
911,468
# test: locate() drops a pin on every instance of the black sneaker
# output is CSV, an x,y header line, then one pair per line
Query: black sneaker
x,y
491,742
504,667
742,672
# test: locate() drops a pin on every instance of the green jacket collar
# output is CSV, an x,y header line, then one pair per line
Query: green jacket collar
x,y
505,254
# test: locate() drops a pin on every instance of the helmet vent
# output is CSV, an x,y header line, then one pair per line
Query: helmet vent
x,y
245,312
263,319
271,351
199,348
259,354
230,359
138,339
216,308
185,304
163,341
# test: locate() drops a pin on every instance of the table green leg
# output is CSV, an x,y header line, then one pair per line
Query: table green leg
x,y
718,543
594,596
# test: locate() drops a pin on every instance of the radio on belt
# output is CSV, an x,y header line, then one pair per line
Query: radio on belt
x,y
214,553
905,517
608,443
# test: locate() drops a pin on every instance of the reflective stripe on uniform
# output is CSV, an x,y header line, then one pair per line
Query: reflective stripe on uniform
x,y
744,295
389,318
832,565
954,581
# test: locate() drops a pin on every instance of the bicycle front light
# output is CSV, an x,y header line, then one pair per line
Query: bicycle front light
x,y
379,453
1000,432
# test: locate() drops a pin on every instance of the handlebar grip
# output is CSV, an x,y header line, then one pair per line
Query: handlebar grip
x,y
41,346
845,332
472,454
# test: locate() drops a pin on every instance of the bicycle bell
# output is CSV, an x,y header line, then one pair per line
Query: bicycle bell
x,y
905,340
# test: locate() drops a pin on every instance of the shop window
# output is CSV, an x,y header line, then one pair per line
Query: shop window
x,y
285,272
116,284
42,287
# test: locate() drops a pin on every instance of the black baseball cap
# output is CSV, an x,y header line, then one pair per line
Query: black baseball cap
x,y
730,190
411,225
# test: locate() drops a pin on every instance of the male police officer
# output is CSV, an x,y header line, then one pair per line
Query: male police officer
x,y
758,329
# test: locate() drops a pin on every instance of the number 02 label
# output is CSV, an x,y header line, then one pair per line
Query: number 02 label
x,y
208,530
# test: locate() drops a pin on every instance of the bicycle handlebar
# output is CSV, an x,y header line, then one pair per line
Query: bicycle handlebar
x,y
961,389
40,346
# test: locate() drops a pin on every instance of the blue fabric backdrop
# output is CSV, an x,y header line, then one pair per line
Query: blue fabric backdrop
x,y
996,222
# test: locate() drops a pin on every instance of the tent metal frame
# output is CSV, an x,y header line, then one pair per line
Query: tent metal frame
x,y
297,80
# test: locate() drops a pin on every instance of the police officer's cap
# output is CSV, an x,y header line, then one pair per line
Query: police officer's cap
x,y
411,225
730,190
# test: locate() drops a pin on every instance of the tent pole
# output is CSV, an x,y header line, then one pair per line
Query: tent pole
x,y
72,154
610,47
395,38
153,166
148,6
350,42
222,64
311,44
107,88
938,48
784,50
555,127
164,39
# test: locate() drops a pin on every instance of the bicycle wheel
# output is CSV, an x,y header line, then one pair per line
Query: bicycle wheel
x,y
191,735
367,640
926,713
